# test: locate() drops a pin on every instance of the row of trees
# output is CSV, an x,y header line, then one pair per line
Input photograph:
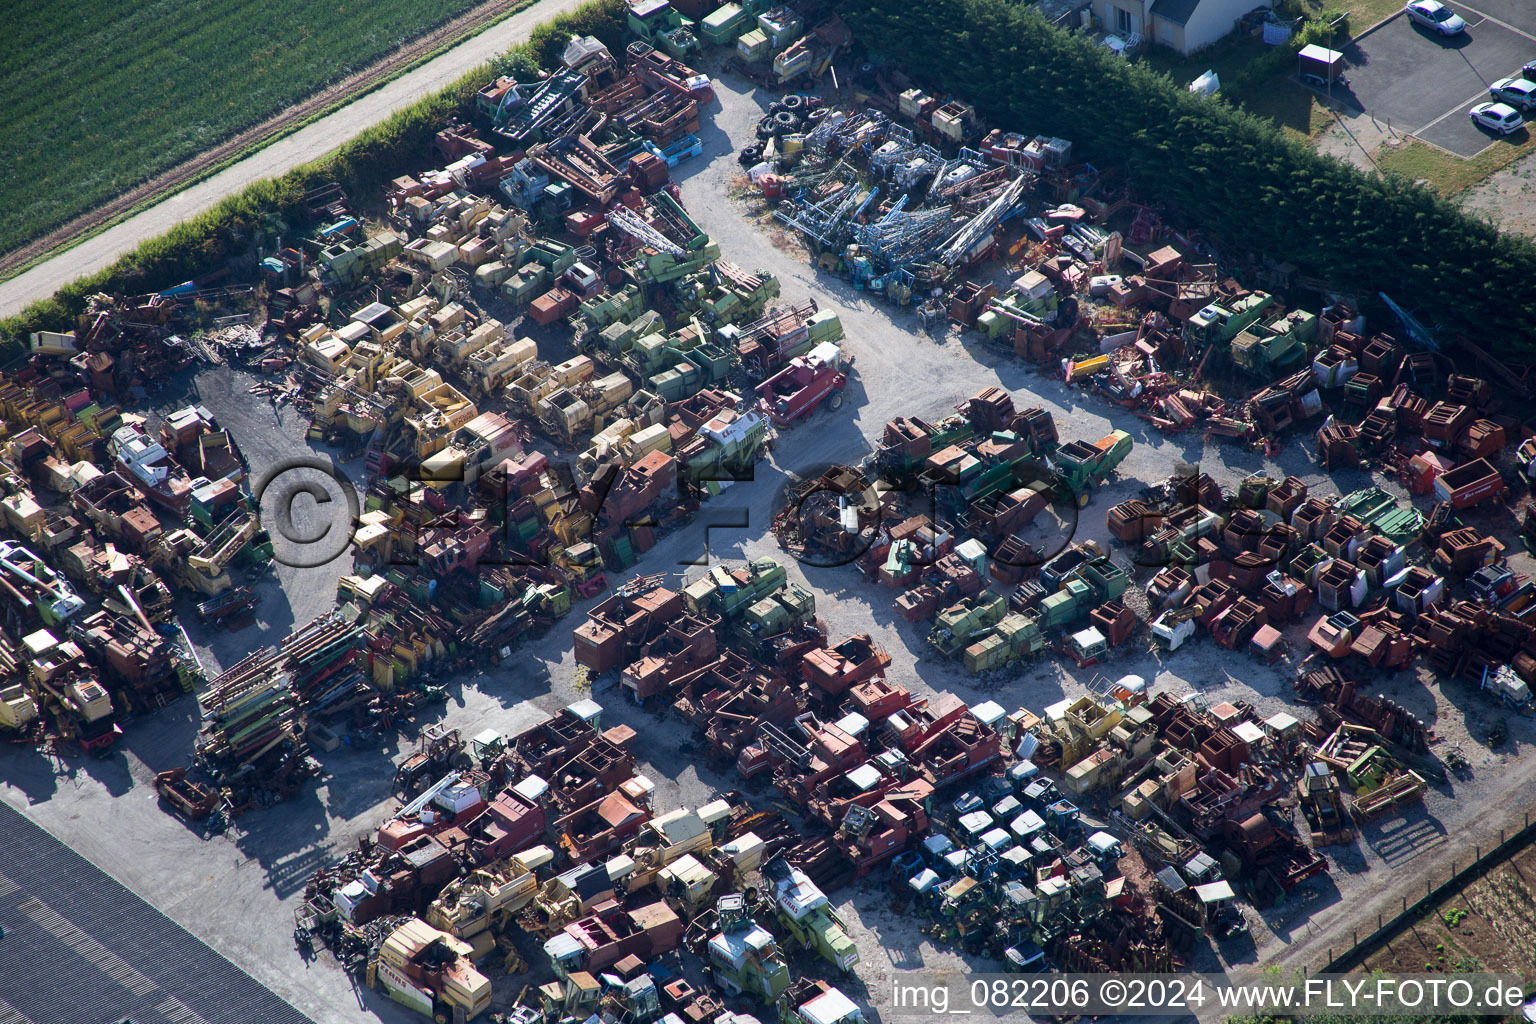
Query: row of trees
x,y
1233,174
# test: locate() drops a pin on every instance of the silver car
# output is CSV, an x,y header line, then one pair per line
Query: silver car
x,y
1433,14
1519,93
1496,117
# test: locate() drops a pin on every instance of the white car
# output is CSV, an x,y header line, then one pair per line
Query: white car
x,y
1519,93
1496,117
1433,14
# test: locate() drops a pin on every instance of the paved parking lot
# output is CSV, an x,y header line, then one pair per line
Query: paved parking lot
x,y
1423,84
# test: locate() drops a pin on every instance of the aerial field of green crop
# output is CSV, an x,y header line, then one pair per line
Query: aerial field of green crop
x,y
96,96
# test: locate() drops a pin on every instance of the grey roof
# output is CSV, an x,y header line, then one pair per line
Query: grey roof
x,y
1176,11
79,946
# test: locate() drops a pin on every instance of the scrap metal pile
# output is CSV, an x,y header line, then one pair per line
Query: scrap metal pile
x,y
262,714
875,776
942,514
880,202
502,483
907,195
971,520
126,345
549,840
1011,869
252,748
107,519
741,655
945,509
1373,394
463,425
865,765
499,484
543,363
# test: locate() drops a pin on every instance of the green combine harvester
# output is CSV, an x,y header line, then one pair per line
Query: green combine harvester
x,y
1083,466
966,619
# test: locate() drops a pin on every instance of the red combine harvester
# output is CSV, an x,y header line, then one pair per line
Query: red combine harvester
x,y
793,393
453,800
662,71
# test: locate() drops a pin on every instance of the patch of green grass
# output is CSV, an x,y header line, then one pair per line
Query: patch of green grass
x,y
1365,13
1237,60
100,95
1294,108
1448,173
1226,57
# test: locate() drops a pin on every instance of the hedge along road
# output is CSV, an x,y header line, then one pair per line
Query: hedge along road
x,y
103,249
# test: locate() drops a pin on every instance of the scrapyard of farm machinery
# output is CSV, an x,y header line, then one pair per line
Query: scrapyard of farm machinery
x,y
543,363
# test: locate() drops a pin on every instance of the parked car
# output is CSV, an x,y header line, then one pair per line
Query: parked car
x,y
1519,93
1528,70
1320,83
1496,117
1433,14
